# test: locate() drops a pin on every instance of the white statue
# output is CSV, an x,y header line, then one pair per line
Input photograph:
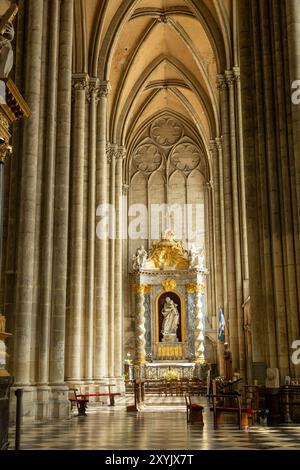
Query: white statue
x,y
6,50
272,379
2,355
196,258
170,321
139,259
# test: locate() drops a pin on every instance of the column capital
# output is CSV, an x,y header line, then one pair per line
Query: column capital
x,y
230,78
118,152
219,143
109,152
80,81
237,73
104,89
92,88
125,189
212,145
221,82
209,185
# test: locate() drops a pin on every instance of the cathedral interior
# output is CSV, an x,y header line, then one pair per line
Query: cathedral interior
x,y
149,219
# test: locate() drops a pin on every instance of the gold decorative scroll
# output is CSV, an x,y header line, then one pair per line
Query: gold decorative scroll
x,y
195,288
142,289
169,284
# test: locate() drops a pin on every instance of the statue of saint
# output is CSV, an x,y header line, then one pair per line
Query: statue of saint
x,y
170,321
7,35
139,259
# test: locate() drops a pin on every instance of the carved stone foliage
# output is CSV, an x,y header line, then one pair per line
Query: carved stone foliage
x,y
186,157
147,158
166,131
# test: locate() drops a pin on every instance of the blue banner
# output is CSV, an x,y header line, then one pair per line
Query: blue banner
x,y
221,334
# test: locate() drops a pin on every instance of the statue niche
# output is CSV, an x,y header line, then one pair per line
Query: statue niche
x,y
169,316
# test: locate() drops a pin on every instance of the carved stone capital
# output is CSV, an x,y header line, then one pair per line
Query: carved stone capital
x,y
237,73
109,152
118,152
80,81
92,89
230,78
125,189
219,142
212,146
221,82
209,185
104,89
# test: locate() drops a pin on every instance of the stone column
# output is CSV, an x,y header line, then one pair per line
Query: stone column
x,y
230,79
48,184
112,156
26,242
212,241
76,320
91,218
241,173
223,233
118,308
101,259
61,203
140,330
231,311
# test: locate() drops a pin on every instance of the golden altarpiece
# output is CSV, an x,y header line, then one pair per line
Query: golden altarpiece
x,y
169,287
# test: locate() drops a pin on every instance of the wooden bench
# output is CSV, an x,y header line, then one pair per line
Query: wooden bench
x,y
111,396
234,406
81,400
78,401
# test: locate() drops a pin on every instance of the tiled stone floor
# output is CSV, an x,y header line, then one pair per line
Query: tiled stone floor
x,y
161,426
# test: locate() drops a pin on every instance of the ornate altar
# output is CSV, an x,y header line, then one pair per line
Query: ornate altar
x,y
169,287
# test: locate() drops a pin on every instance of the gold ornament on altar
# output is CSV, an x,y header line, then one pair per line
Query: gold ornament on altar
x,y
169,284
142,289
195,288
168,253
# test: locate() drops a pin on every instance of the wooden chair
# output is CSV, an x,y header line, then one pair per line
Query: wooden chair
x,y
220,407
194,412
184,386
162,387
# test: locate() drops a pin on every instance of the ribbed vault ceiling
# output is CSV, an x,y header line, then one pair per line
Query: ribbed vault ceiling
x,y
159,56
